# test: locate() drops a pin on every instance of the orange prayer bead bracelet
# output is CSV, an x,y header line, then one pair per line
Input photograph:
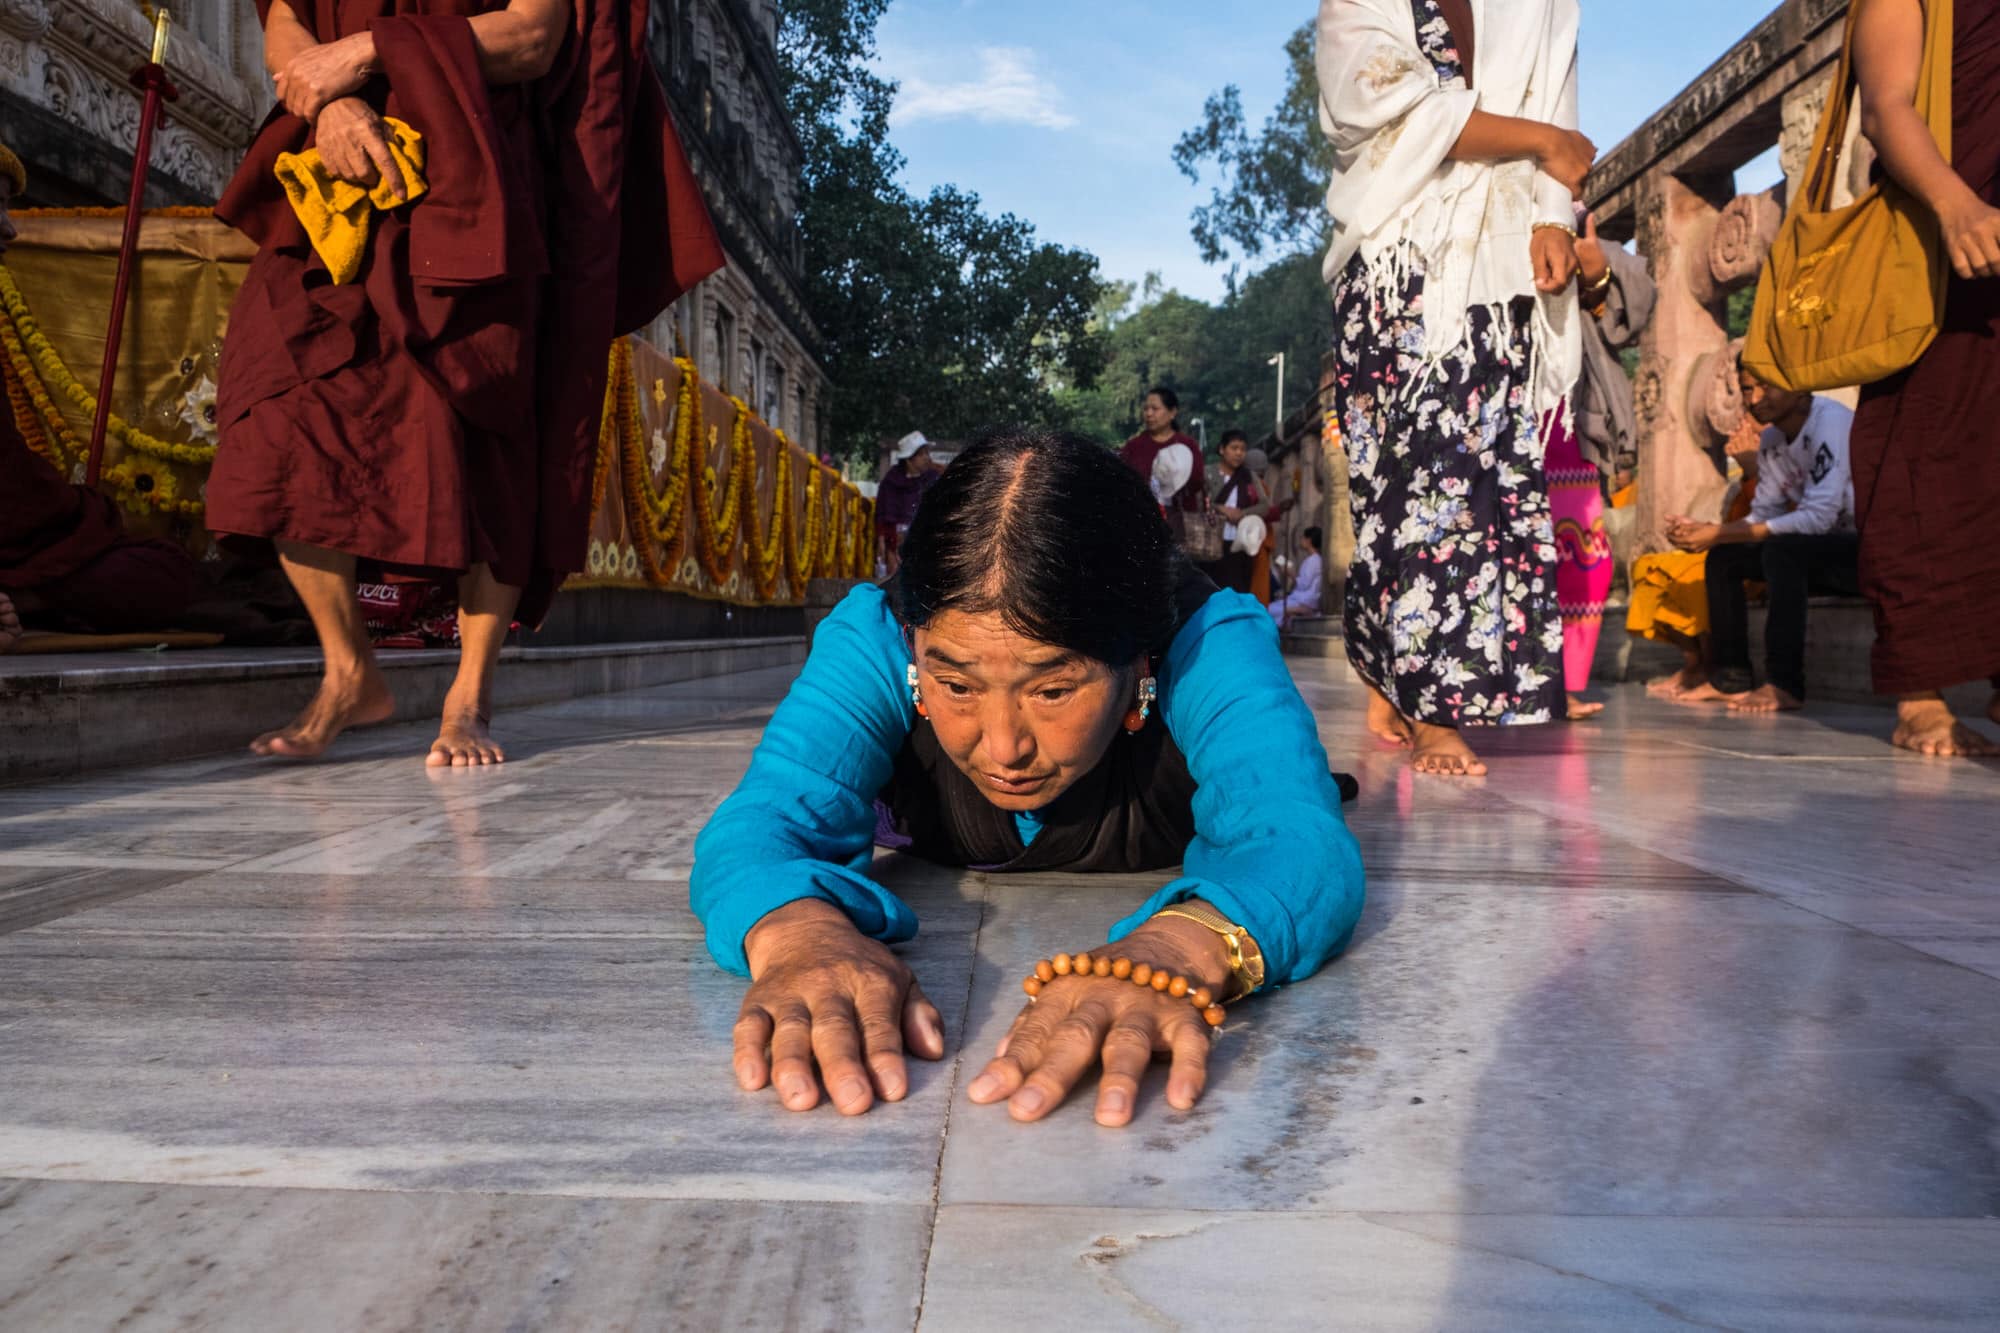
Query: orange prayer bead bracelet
x,y
1124,969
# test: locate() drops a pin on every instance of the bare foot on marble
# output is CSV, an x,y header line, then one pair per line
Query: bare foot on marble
x,y
1582,709
1442,751
464,740
1765,699
1928,726
1704,693
356,698
1385,722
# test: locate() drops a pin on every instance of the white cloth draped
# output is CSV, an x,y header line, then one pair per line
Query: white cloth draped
x,y
1397,198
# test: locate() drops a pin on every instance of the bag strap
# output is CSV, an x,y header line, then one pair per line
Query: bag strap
x,y
1933,98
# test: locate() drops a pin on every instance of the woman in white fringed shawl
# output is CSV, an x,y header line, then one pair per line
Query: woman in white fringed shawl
x,y
1457,332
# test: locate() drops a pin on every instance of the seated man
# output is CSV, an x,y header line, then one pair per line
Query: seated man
x,y
1799,538
66,562
1303,599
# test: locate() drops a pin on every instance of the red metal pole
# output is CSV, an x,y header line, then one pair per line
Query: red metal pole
x,y
152,78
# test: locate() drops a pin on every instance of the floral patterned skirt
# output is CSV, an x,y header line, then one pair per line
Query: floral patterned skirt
x,y
1451,607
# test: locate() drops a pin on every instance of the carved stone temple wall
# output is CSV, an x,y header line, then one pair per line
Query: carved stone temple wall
x,y
1672,187
66,108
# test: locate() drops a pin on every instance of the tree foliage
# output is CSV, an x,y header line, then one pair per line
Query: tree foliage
x,y
936,315
1269,195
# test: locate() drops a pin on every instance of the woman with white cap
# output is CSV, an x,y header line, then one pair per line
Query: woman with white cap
x,y
911,472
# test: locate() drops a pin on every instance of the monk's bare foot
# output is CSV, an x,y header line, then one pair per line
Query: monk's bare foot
x,y
1705,693
1674,686
464,741
10,624
1582,709
356,698
1385,722
1441,750
1765,699
1928,726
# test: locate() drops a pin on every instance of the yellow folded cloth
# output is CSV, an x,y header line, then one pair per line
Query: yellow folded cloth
x,y
336,214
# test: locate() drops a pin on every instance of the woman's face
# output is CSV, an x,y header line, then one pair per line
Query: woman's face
x,y
1156,415
1023,719
1234,453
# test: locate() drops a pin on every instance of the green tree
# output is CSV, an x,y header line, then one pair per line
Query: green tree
x,y
936,315
1269,197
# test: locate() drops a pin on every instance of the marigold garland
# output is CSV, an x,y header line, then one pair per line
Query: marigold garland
x,y
139,485
56,375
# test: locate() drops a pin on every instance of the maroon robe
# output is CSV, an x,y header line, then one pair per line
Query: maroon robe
x,y
66,546
1926,471
442,410
1139,453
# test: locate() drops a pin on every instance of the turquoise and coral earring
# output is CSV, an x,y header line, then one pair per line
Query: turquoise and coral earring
x,y
916,693
1149,694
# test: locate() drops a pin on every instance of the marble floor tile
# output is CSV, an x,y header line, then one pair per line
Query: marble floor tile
x,y
30,895
1676,1020
379,1033
1607,1052
1141,1268
150,1258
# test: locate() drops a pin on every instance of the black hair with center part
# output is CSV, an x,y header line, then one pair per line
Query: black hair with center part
x,y
1053,533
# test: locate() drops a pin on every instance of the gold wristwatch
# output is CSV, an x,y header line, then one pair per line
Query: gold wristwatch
x,y
1246,960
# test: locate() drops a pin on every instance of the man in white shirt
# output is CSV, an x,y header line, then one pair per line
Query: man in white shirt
x,y
1800,538
1303,599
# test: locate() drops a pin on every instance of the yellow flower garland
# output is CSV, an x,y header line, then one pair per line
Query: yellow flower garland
x,y
58,377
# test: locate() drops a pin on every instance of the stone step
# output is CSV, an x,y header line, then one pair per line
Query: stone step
x,y
67,714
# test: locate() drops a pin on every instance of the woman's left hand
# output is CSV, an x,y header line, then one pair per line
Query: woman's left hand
x,y
1077,1022
1553,252
320,75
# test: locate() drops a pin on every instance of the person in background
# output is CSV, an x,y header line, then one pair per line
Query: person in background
x,y
1235,499
1303,599
1926,473
1670,588
1799,537
912,472
1601,432
66,561
1457,161
1160,429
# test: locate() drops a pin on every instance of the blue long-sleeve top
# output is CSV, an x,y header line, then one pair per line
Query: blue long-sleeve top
x,y
1271,850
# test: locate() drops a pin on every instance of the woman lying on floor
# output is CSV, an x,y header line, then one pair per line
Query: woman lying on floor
x,y
1048,685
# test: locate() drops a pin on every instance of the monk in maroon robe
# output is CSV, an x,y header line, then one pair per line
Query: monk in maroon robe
x,y
1926,472
438,414
66,562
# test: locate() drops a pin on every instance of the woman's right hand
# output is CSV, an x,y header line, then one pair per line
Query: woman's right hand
x,y
354,145
1972,237
1568,156
823,994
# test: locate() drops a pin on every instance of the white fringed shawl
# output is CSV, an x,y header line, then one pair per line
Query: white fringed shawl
x,y
1396,197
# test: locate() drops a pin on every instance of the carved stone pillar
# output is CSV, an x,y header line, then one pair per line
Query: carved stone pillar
x,y
1677,475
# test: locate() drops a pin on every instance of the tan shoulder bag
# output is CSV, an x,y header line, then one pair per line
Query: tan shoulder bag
x,y
1854,295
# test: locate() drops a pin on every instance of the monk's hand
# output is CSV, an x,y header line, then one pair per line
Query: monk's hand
x,y
1972,237
829,1006
354,145
321,75
1553,252
1077,1022
1591,263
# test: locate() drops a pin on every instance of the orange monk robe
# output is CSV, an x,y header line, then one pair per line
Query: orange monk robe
x,y
442,410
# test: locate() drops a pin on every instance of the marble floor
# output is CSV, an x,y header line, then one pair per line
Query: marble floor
x,y
1674,1021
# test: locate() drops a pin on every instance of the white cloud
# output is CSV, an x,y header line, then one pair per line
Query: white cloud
x,y
1005,90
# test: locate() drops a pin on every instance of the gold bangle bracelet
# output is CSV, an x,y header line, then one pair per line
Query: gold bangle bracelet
x,y
1246,959
1563,227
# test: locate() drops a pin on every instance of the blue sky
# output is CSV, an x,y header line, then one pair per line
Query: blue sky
x,y
1066,111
